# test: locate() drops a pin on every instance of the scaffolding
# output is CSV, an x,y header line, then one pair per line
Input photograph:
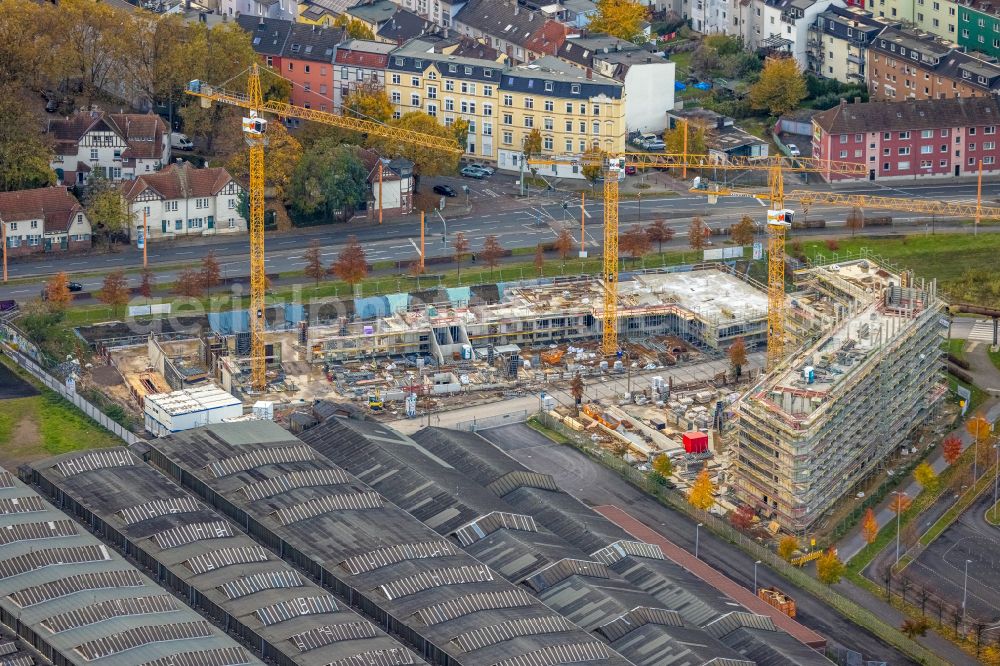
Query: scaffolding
x,y
810,432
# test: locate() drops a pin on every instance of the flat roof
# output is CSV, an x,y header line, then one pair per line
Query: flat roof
x,y
83,599
366,547
197,399
207,552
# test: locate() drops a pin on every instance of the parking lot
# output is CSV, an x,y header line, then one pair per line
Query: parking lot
x,y
941,568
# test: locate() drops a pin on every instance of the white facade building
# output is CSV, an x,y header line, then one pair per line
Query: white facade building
x,y
184,201
167,413
118,146
275,9
358,61
790,20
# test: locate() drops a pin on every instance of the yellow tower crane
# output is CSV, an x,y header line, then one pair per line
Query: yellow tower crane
x,y
775,166
255,132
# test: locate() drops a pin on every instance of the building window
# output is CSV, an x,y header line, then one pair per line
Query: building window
x,y
432,110
843,154
487,129
597,127
550,105
547,124
927,134
904,165
449,85
307,69
972,161
569,125
926,150
905,150
432,92
414,81
508,100
529,103
989,159
904,135
449,104
972,131
548,86
944,133
508,119
93,154
529,121
508,138
575,89
547,143
569,107
990,130
394,96
487,109
487,91
972,146
843,138
200,203
989,145
414,99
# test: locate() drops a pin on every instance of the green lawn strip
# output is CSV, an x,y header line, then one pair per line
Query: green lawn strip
x,y
556,437
978,395
955,347
994,358
993,514
941,256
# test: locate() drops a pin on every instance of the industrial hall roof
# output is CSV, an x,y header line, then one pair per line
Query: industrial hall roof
x,y
82,602
421,586
261,598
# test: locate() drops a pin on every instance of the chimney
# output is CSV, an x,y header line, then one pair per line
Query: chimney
x,y
590,73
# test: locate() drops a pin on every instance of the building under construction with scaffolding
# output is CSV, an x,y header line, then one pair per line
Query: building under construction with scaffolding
x,y
864,379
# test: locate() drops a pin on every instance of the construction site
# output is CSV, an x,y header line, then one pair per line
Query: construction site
x,y
859,387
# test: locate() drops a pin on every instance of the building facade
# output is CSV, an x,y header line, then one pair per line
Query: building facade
x,y
979,27
905,65
912,140
358,62
116,146
837,43
42,220
938,17
183,201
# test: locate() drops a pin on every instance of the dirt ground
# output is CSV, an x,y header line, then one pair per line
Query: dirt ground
x,y
12,386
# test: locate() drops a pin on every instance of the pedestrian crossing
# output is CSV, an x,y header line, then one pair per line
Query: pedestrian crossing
x,y
982,331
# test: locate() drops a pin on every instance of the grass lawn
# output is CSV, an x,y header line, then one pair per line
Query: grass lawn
x,y
954,347
44,425
994,358
993,514
682,64
941,256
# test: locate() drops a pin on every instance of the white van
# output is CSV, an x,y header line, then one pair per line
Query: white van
x,y
180,141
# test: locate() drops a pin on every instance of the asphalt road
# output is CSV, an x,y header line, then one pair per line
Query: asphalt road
x,y
595,485
516,223
941,568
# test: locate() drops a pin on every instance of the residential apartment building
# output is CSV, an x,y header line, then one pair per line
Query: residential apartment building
x,y
184,201
648,78
783,25
358,61
837,43
906,65
569,106
116,146
710,17
272,9
441,12
573,108
939,17
979,27
522,33
46,219
302,53
913,139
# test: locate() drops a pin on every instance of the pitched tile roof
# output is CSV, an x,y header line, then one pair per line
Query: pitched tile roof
x,y
548,38
405,25
909,115
179,181
505,19
143,132
268,35
312,42
53,204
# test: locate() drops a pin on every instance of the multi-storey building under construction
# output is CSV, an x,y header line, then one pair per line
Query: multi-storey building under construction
x,y
863,380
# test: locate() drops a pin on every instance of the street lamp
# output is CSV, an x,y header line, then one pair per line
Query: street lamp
x,y
697,529
965,589
755,577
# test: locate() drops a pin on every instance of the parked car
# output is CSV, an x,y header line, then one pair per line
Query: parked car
x,y
73,286
473,172
655,144
630,170
793,150
488,170
444,190
180,141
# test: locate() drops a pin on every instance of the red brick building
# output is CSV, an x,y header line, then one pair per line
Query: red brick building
x,y
46,219
913,139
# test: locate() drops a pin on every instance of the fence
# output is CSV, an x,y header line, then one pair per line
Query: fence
x,y
71,395
493,421
675,500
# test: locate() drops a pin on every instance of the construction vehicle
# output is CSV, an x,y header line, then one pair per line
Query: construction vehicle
x,y
552,356
375,401
778,599
255,133
614,165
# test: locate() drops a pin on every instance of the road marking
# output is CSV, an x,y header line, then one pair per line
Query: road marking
x,y
414,246
183,253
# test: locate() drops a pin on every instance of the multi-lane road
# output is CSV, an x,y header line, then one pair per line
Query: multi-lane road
x,y
516,223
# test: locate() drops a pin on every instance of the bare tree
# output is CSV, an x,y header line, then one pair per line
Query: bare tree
x,y
659,233
564,244
635,243
114,291
576,390
147,284
189,284
314,262
461,245
698,232
351,265
539,260
210,273
855,220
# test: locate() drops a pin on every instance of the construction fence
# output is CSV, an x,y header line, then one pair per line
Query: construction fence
x,y
70,394
675,500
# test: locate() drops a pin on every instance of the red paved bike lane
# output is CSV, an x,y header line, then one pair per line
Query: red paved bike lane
x,y
727,586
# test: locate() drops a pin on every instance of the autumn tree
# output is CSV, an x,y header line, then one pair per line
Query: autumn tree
x,y
619,447
114,291
592,162
951,449
368,101
738,356
702,493
351,265
147,283
355,28
24,155
106,209
829,568
532,144
460,128
698,233
674,138
634,243
926,477
92,45
869,526
787,547
460,245
491,253
978,427
900,503
329,182
210,273
539,259
742,517
743,231
189,284
426,161
855,220
663,465
283,154
314,262
620,18
576,390
57,292
914,628
564,244
659,233
780,87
